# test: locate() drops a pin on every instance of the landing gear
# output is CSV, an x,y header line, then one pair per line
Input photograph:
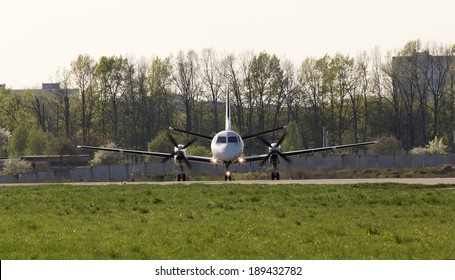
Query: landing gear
x,y
228,177
276,175
181,177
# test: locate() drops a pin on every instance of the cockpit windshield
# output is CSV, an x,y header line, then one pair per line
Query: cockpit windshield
x,y
233,139
221,140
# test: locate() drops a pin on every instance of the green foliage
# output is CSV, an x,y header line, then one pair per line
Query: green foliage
x,y
197,150
39,142
106,157
388,145
435,146
5,136
14,109
14,167
64,146
293,140
160,143
366,221
29,142
18,144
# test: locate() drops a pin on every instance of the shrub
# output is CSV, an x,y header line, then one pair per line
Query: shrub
x,y
435,146
14,167
106,157
388,145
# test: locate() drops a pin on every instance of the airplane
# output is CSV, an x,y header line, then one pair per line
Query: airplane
x,y
227,149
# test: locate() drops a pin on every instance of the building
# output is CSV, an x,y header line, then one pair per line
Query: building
x,y
45,88
422,74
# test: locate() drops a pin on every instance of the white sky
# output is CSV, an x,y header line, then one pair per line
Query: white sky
x,y
37,38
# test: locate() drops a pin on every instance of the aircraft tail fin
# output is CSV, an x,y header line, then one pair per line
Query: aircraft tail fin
x,y
228,112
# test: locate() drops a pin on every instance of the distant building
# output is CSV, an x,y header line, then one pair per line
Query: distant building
x,y
48,88
423,74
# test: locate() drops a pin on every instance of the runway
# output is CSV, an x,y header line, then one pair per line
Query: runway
x,y
421,181
413,181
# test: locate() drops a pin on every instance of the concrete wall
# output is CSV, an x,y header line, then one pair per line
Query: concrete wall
x,y
118,173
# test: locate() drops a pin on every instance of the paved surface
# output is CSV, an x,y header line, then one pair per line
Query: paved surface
x,y
424,181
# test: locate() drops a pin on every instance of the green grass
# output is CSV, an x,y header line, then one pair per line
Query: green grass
x,y
367,221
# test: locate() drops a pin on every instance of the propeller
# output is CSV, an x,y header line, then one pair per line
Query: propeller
x,y
179,149
274,149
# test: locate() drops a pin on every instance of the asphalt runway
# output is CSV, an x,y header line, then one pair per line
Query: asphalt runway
x,y
422,181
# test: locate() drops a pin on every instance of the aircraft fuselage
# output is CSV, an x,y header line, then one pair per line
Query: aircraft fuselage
x,y
227,146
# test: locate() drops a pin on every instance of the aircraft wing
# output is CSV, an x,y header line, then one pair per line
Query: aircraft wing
x,y
309,151
262,133
147,153
133,152
200,159
191,133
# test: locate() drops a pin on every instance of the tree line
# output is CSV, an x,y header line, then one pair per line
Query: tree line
x,y
332,99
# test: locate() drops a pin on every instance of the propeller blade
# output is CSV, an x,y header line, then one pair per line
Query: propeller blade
x,y
172,140
281,139
267,143
167,158
187,162
284,157
189,143
265,159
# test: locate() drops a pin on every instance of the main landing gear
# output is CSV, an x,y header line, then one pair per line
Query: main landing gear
x,y
276,175
181,177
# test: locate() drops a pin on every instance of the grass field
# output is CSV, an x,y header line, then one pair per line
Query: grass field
x,y
376,221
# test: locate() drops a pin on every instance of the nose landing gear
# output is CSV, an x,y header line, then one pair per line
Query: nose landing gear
x,y
228,176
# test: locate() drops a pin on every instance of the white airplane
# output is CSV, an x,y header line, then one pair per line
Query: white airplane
x,y
227,149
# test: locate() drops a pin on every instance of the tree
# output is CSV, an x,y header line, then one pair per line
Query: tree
x,y
344,85
19,140
212,79
14,167
15,109
435,146
110,71
231,75
83,75
311,95
185,79
106,157
62,104
293,140
5,136
159,105
39,142
387,145
161,142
